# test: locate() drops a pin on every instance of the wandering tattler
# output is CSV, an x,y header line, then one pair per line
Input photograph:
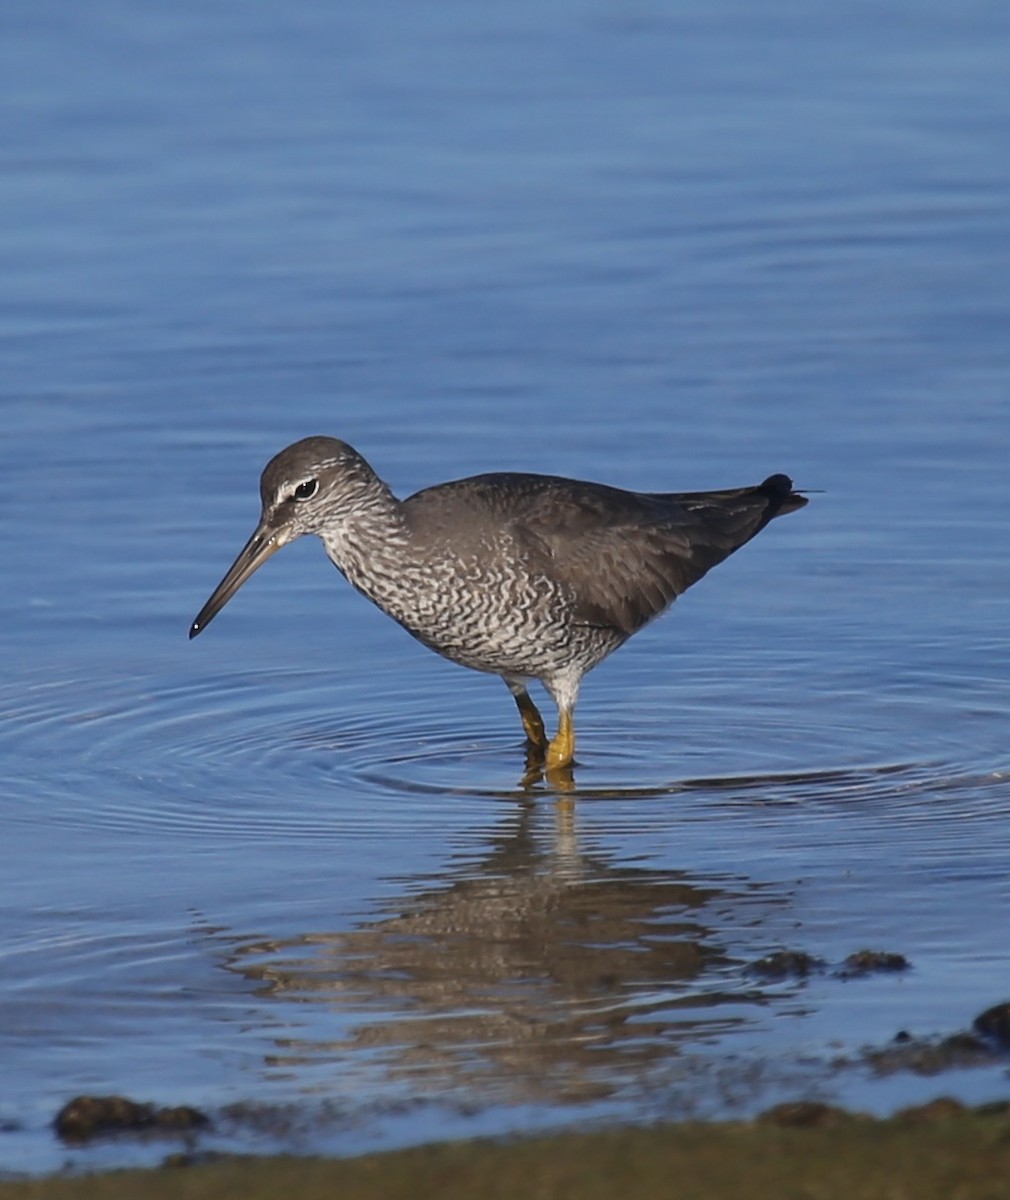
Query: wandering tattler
x,y
523,576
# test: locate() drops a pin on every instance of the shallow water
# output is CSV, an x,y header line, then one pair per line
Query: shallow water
x,y
296,864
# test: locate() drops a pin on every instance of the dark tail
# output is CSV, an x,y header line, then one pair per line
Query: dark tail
x,y
779,498
779,490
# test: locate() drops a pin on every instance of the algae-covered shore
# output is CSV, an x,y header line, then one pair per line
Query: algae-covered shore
x,y
941,1151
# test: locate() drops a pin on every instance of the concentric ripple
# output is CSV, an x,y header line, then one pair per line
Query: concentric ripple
x,y
253,755
260,754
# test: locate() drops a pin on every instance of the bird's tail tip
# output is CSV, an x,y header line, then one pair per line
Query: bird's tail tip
x,y
780,490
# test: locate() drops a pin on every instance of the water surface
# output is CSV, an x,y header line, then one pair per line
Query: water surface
x,y
295,866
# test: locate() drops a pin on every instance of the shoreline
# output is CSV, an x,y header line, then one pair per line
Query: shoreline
x,y
930,1152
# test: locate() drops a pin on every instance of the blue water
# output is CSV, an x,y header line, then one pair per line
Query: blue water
x,y
292,864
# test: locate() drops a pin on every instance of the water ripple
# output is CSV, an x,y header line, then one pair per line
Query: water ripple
x,y
295,753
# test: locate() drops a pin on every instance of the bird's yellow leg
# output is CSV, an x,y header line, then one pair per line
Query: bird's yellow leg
x,y
533,722
561,751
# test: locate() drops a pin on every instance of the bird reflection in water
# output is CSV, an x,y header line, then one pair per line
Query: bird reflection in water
x,y
544,973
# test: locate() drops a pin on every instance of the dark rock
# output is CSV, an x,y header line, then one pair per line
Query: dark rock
x,y
87,1117
869,962
995,1023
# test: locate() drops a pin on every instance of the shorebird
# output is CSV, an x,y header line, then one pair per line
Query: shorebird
x,y
530,577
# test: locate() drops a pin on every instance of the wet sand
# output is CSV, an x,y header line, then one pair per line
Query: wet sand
x,y
935,1152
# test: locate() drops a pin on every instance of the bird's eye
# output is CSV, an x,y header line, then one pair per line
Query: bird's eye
x,y
306,490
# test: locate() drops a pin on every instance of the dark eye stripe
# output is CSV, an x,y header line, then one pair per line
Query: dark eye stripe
x,y
306,490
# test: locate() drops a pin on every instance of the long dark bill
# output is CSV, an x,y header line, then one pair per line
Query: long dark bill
x,y
263,543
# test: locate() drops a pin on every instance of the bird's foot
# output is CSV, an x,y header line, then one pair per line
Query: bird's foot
x,y
561,750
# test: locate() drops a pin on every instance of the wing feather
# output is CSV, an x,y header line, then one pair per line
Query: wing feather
x,y
625,560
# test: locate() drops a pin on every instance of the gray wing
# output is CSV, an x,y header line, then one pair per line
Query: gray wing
x,y
625,556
